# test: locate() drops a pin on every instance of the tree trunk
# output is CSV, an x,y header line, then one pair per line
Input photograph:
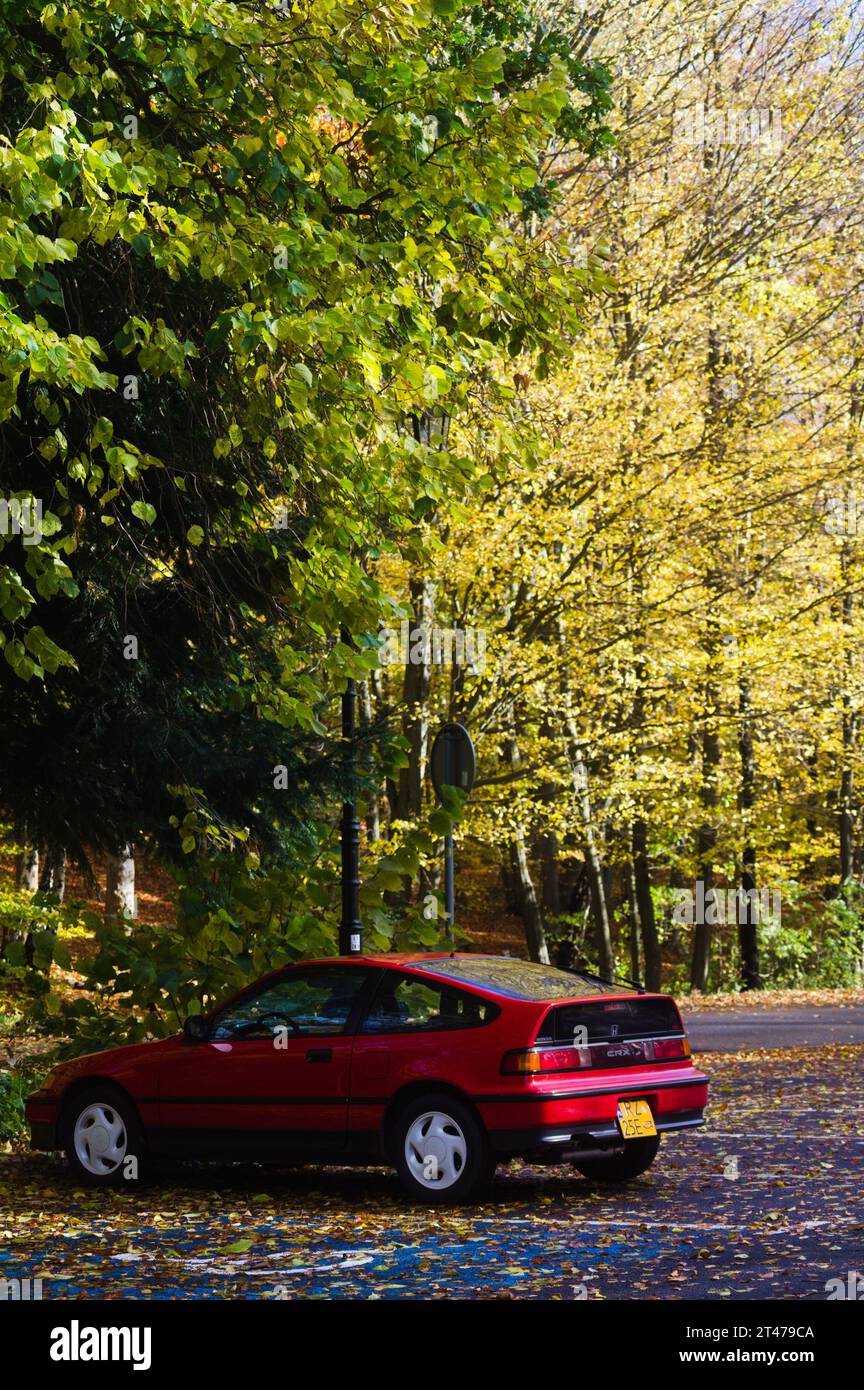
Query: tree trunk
x,y
547,841
52,881
523,884
529,905
645,905
849,718
593,861
120,901
53,877
706,843
373,813
26,880
849,728
27,869
706,840
508,883
417,682
748,939
550,884
634,924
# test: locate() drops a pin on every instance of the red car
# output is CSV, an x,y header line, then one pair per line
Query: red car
x,y
441,1065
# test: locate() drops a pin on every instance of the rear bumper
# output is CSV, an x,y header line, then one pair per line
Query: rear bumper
x,y
547,1121
41,1113
552,1141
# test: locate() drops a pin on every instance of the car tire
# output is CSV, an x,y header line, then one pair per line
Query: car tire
x,y
637,1157
102,1137
440,1149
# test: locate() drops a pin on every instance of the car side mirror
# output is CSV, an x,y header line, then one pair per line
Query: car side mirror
x,y
196,1029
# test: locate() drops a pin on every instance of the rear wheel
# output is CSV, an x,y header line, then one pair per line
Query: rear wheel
x,y
102,1137
637,1157
440,1149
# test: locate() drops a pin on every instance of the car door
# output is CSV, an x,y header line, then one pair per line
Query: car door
x,y
274,1069
413,1029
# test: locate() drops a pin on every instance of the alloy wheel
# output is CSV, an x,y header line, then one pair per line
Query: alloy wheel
x,y
100,1139
435,1150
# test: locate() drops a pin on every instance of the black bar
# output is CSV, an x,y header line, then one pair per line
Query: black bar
x,y
350,928
449,877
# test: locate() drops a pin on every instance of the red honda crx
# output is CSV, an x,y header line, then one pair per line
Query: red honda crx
x,y
441,1065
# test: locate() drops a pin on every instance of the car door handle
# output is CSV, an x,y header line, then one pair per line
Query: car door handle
x,y
319,1054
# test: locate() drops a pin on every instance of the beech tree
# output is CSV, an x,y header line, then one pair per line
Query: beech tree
x,y
239,245
668,615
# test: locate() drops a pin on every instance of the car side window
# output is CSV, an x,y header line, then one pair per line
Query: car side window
x,y
302,1003
406,1004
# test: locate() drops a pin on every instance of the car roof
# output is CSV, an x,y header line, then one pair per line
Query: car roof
x,y
506,976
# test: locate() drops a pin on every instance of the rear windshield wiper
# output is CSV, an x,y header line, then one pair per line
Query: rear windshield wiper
x,y
603,979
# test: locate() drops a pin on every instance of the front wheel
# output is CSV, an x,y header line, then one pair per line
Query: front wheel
x,y
102,1137
637,1157
440,1149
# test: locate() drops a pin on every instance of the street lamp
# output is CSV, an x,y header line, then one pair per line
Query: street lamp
x,y
429,426
350,926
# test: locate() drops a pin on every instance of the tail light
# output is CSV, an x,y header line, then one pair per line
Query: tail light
x,y
520,1063
667,1048
530,1061
534,1061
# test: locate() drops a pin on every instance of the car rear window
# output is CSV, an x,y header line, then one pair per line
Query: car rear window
x,y
515,979
605,1021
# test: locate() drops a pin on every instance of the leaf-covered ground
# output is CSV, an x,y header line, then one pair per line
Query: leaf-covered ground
x,y
765,1202
758,1000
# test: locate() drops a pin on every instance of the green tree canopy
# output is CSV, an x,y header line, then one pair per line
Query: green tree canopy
x,y
238,246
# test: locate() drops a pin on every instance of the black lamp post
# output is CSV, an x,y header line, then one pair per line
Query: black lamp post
x,y
430,426
350,927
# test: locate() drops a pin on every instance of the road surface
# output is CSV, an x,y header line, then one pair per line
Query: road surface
x,y
774,1028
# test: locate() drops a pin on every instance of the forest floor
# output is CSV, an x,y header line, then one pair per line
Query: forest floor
x,y
766,1202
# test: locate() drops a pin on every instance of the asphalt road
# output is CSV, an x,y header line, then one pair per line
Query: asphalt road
x,y
766,1201
773,1028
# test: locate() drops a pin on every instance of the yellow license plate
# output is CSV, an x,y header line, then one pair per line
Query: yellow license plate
x,y
635,1119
